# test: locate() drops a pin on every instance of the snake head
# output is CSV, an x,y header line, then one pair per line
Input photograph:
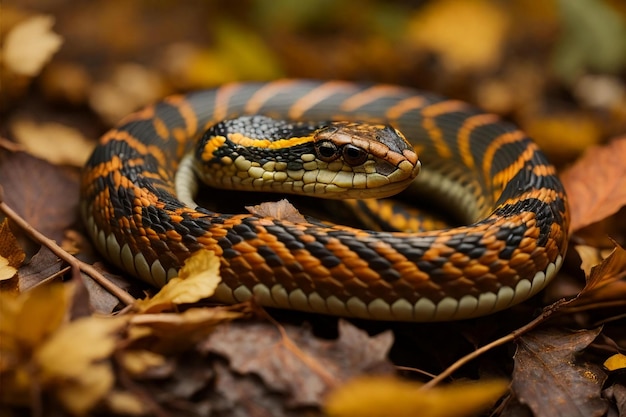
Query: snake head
x,y
326,159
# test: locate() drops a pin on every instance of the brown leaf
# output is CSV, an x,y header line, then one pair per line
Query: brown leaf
x,y
46,196
387,396
281,210
301,366
596,184
549,378
606,281
41,266
9,247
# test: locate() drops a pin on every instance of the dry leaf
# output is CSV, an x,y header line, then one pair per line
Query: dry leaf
x,y
177,332
606,281
30,44
10,250
45,195
26,322
615,362
551,381
386,396
41,266
6,271
33,316
53,142
301,366
130,87
565,134
137,362
596,184
280,210
467,35
196,280
126,403
71,361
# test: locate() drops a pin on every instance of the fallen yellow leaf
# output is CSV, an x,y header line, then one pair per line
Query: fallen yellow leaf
x,y
615,362
30,44
54,142
71,361
28,319
126,403
6,270
467,35
197,279
137,362
386,396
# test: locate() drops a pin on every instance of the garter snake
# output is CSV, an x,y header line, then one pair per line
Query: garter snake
x,y
489,171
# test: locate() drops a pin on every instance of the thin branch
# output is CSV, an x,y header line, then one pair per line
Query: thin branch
x,y
547,313
74,263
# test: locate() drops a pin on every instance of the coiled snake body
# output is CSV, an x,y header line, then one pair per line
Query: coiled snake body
x,y
489,170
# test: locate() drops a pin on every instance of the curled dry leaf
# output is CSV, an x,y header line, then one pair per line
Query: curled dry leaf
x,y
596,184
550,379
30,44
606,281
196,280
281,210
387,396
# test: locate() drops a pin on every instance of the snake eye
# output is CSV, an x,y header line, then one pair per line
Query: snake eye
x,y
326,150
353,155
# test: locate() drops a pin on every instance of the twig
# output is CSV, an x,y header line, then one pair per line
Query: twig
x,y
547,313
74,263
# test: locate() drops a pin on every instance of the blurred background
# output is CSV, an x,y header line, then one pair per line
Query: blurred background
x,y
555,67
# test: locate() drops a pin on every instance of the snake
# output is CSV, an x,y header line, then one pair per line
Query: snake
x,y
331,137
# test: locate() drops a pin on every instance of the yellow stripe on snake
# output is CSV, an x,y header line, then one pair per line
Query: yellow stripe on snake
x,y
142,218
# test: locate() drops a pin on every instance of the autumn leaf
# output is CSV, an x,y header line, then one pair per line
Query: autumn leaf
x,y
30,44
26,322
387,396
606,279
196,280
549,378
177,332
11,254
467,35
281,210
615,362
54,142
31,317
596,184
45,195
71,361
295,362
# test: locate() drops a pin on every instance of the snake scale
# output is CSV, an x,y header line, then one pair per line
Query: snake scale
x,y
490,172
